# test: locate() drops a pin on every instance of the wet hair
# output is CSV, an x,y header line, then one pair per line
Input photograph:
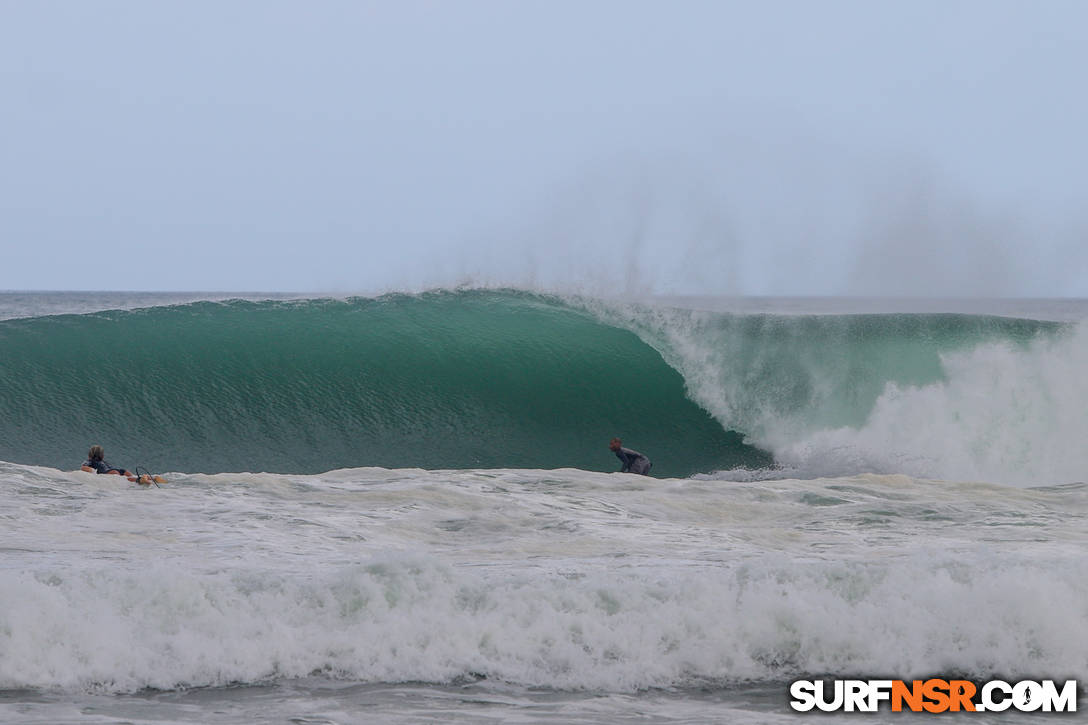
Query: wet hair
x,y
96,453
616,441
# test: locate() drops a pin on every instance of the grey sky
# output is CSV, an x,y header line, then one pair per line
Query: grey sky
x,y
914,148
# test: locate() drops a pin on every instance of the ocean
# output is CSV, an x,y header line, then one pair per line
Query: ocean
x,y
403,509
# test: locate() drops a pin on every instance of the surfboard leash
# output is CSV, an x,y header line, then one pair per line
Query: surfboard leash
x,y
150,477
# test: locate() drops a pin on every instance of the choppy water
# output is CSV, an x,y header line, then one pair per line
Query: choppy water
x,y
528,594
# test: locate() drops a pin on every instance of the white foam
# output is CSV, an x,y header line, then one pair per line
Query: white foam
x,y
1004,413
564,579
405,618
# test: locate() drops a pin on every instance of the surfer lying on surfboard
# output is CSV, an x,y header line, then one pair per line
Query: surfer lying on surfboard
x,y
96,463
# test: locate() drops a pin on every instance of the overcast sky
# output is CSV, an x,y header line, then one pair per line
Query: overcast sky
x,y
760,148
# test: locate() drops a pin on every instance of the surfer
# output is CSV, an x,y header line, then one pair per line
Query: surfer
x,y
96,463
633,461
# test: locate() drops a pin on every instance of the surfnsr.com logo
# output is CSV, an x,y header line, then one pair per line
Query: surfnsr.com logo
x,y
933,695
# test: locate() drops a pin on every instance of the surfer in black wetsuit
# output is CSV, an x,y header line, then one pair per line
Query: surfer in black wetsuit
x,y
96,463
633,461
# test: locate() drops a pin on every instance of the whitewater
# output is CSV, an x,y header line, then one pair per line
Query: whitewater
x,y
403,509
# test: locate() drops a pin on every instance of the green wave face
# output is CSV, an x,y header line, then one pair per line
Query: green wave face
x,y
442,380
